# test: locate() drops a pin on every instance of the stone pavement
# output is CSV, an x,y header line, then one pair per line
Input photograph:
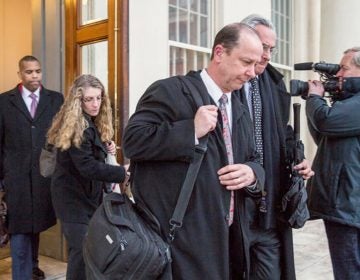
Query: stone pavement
x,y
310,245
312,259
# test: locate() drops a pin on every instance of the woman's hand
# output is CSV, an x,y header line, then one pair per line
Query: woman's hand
x,y
111,147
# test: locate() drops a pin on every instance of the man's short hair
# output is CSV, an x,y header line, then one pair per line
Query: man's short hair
x,y
356,57
27,58
253,20
229,36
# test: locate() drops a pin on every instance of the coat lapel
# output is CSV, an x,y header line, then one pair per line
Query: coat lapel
x,y
97,140
238,109
99,143
17,100
43,103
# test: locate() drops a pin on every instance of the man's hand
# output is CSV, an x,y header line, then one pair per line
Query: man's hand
x,y
316,87
304,169
236,176
205,120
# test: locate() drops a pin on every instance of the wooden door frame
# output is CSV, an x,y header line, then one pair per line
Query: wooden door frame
x,y
116,30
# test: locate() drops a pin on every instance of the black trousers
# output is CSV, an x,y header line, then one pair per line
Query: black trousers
x,y
265,252
255,253
75,234
344,246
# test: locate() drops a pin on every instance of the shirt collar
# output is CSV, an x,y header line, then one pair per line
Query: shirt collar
x,y
212,88
25,92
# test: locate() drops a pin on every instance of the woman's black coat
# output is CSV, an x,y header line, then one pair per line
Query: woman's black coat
x,y
78,180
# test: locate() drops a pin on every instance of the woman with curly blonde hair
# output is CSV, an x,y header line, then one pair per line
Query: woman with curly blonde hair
x,y
81,131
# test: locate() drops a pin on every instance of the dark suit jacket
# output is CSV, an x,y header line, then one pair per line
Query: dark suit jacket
x,y
160,141
78,180
21,140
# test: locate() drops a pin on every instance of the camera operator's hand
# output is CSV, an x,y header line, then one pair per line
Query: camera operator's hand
x,y
316,87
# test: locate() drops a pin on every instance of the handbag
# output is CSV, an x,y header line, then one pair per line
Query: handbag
x,y
124,239
47,161
4,235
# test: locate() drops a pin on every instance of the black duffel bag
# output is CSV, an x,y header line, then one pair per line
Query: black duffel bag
x,y
124,242
124,239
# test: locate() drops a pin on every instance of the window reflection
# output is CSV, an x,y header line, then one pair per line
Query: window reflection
x,y
94,60
93,11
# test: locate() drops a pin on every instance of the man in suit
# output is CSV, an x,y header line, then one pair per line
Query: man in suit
x,y
160,140
26,113
268,246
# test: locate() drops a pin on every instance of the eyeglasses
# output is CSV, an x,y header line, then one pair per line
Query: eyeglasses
x,y
92,99
272,50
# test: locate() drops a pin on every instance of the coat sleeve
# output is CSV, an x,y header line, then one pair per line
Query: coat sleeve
x,y
339,120
89,166
162,127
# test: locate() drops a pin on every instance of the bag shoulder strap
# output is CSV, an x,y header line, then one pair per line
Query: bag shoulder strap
x,y
193,90
191,175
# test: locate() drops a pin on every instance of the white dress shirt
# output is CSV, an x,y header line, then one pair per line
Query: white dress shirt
x,y
216,93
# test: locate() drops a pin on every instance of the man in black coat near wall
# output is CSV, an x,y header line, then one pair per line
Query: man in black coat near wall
x,y
268,246
24,122
160,139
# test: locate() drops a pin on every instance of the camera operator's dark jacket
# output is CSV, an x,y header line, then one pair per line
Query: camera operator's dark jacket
x,y
334,191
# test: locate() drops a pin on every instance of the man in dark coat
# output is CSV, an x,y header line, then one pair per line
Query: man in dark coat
x,y
21,138
334,191
160,139
268,246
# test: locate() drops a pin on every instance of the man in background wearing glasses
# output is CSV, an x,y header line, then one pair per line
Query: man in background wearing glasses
x,y
267,243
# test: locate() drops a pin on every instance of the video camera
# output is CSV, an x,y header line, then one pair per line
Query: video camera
x,y
328,78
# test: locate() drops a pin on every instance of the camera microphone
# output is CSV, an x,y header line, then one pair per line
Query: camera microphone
x,y
303,66
328,68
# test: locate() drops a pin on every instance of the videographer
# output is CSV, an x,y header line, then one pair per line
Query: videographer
x,y
334,191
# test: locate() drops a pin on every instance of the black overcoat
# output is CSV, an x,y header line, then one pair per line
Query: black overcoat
x,y
160,141
78,181
21,139
277,141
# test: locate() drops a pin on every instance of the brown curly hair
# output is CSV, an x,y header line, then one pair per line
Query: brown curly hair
x,y
69,124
